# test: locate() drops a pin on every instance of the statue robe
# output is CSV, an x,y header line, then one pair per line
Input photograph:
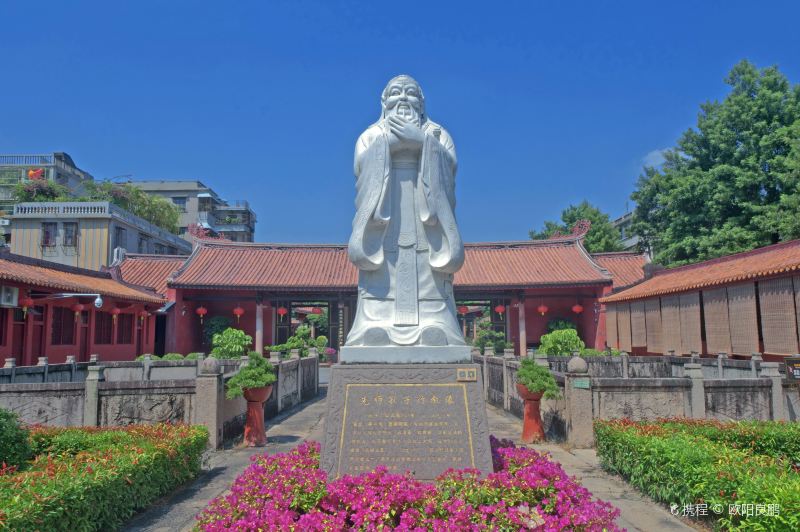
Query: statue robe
x,y
405,240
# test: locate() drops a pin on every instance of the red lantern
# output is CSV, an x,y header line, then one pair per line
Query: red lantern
x,y
201,311
77,308
500,309
25,303
238,312
463,309
542,309
316,310
114,313
577,309
282,311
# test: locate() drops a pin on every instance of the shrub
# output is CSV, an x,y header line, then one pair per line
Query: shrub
x,y
213,326
96,478
771,438
680,468
152,357
562,342
257,373
321,342
231,343
300,340
14,447
559,324
288,491
193,356
172,356
486,336
537,378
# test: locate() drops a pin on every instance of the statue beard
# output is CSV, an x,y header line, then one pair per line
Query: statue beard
x,y
407,112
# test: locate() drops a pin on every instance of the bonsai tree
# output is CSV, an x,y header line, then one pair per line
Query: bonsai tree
x,y
231,343
256,374
300,340
561,342
487,336
537,379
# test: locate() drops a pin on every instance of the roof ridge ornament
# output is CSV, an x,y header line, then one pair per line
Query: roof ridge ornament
x,y
579,230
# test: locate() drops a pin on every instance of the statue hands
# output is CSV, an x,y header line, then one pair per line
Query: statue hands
x,y
404,133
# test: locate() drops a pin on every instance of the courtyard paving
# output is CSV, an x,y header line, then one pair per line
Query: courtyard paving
x,y
305,422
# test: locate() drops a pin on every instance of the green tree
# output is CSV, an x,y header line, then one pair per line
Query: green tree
x,y
732,183
601,237
40,190
155,209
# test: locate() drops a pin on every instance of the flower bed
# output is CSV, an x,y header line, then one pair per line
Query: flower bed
x,y
96,478
716,465
289,492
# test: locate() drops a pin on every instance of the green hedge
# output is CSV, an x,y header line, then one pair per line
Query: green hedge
x,y
14,446
96,479
681,468
772,438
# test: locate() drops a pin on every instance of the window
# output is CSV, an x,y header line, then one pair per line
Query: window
x,y
125,329
180,202
160,249
70,234
120,238
102,327
144,243
49,234
63,328
182,230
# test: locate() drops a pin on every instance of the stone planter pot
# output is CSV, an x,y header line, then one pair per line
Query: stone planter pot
x,y
255,434
532,420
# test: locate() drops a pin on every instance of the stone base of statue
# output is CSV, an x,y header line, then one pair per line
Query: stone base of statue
x,y
413,354
422,418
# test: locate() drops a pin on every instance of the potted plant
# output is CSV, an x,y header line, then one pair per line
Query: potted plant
x,y
533,383
254,382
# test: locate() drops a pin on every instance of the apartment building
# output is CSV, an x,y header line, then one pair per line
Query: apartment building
x,y
201,205
85,234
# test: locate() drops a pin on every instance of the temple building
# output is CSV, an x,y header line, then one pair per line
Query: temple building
x,y
738,305
270,288
55,311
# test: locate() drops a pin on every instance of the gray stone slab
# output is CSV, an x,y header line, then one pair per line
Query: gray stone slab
x,y
422,418
413,354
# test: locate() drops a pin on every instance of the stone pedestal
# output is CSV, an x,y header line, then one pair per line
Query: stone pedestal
x,y
415,354
422,418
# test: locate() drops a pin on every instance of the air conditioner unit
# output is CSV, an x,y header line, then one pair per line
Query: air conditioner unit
x,y
5,221
8,296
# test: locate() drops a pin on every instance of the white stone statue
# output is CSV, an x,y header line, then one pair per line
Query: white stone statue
x,y
405,240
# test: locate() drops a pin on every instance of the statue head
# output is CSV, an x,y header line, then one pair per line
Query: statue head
x,y
403,97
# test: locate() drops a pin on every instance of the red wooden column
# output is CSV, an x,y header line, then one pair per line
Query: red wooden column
x,y
523,339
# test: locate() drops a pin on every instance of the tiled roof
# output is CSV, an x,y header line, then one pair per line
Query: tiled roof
x,y
40,273
267,266
151,271
528,263
314,267
625,267
758,263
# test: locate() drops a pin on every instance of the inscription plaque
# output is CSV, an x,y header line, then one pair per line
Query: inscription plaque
x,y
407,418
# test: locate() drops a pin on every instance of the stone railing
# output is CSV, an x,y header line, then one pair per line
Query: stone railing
x,y
625,366
149,391
642,388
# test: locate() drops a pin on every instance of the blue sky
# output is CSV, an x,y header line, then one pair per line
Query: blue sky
x,y
549,103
